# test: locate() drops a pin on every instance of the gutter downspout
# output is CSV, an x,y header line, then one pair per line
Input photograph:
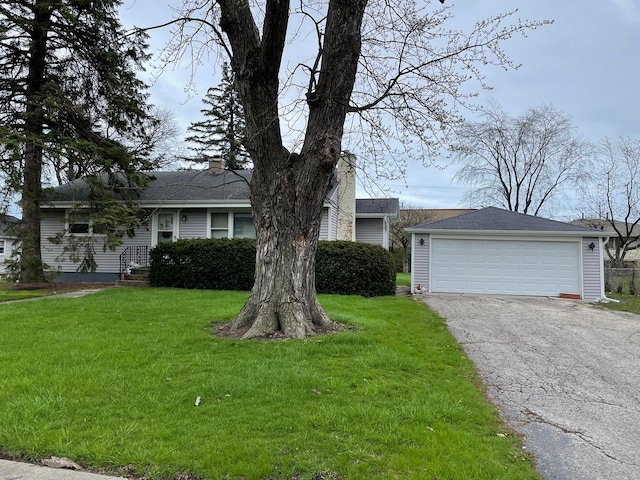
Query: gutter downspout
x,y
604,298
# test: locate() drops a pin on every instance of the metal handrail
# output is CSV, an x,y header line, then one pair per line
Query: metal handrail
x,y
133,256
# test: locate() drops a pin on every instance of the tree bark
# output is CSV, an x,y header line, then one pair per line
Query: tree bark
x,y
31,267
288,189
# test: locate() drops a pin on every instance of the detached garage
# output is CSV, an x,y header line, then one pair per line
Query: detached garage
x,y
495,251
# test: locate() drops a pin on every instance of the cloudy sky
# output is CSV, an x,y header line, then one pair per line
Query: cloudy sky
x,y
586,64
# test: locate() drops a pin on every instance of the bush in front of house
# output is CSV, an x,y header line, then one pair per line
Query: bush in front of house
x,y
354,268
346,268
212,264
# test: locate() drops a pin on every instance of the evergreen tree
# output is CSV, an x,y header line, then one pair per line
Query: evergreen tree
x,y
70,106
221,133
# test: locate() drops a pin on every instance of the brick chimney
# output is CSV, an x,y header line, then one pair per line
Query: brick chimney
x,y
346,197
216,166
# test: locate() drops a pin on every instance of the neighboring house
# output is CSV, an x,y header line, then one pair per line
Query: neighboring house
x,y
8,239
211,203
605,227
373,220
495,251
433,214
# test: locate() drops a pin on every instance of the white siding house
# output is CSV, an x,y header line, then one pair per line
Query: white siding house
x,y
8,240
494,251
180,205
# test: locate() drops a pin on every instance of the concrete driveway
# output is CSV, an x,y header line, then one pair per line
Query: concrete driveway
x,y
563,373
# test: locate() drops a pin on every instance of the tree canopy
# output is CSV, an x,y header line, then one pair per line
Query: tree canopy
x,y
611,198
220,135
70,106
521,163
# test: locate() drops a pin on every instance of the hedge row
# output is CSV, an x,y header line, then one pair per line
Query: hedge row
x,y
346,268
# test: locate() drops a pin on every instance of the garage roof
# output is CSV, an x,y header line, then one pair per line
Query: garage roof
x,y
492,219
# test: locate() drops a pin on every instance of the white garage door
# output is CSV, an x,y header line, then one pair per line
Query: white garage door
x,y
505,267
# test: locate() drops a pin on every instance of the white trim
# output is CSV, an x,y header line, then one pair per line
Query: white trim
x,y
329,229
230,219
385,233
581,266
89,222
430,272
374,215
154,225
500,233
532,236
413,263
603,242
170,204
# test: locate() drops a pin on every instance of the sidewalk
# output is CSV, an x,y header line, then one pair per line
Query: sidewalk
x,y
26,471
72,294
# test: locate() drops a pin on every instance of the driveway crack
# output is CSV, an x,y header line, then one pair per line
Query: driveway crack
x,y
535,417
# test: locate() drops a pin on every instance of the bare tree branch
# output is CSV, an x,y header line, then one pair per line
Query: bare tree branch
x,y
522,164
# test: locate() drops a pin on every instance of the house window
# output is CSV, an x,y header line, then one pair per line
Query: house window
x,y
80,224
232,225
243,226
219,225
2,247
165,227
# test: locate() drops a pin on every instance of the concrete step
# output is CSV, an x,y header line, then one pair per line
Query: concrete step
x,y
134,283
140,270
136,276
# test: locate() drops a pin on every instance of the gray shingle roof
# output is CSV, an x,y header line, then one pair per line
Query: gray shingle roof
x,y
183,185
202,186
382,206
496,219
7,225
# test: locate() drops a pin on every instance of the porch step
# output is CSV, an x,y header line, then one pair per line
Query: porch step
x,y
138,277
134,283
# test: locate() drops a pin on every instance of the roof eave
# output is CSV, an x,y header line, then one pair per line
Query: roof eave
x,y
498,233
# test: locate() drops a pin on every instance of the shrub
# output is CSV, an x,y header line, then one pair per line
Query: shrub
x,y
353,268
214,264
346,268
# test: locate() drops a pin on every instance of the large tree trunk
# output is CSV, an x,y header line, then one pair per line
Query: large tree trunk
x,y
288,189
287,209
31,267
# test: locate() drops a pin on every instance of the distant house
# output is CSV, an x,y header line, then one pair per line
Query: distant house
x,y
212,203
605,226
8,239
373,220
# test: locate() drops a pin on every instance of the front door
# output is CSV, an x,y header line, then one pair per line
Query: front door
x,y
165,227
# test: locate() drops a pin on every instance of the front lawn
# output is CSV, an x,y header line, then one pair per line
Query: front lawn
x,y
403,279
111,380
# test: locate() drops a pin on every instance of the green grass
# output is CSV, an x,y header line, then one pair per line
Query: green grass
x,y
8,292
628,303
403,279
110,380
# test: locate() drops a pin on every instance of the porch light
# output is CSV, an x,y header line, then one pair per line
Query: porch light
x,y
422,242
592,245
184,218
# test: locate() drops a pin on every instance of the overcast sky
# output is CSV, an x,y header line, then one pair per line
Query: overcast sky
x,y
586,64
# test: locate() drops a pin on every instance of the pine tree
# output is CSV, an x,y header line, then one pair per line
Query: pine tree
x,y
221,133
70,106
